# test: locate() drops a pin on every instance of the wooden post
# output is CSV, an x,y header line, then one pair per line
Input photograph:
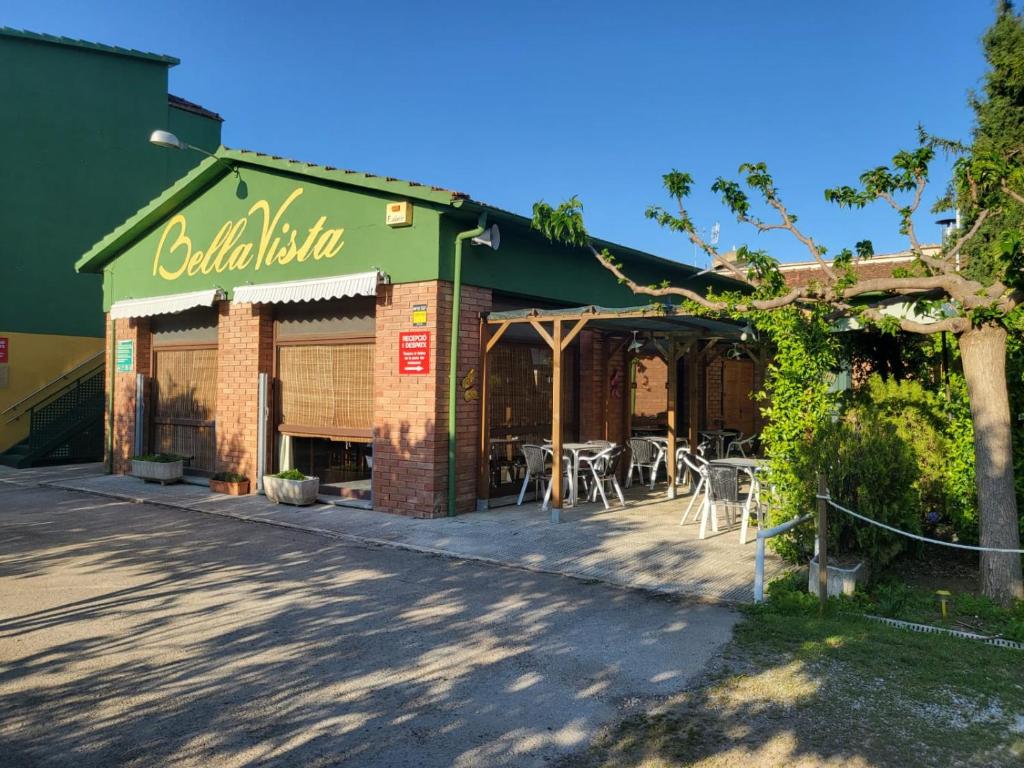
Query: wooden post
x,y
670,460
483,480
822,541
556,421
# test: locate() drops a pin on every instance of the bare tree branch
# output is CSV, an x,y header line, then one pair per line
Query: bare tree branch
x,y
953,325
1012,192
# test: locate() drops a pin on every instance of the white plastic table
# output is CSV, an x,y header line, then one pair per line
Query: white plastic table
x,y
751,467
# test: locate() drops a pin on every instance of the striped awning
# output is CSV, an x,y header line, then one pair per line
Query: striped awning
x,y
315,289
164,305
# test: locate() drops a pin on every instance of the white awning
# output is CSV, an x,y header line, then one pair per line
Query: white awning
x,y
358,284
164,305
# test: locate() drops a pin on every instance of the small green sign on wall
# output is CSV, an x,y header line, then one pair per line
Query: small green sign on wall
x,y
124,357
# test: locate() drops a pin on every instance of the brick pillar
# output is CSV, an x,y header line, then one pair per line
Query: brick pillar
x,y
467,413
713,393
137,331
651,389
245,338
591,386
409,443
618,395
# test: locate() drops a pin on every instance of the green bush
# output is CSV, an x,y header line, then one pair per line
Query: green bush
x,y
290,474
229,477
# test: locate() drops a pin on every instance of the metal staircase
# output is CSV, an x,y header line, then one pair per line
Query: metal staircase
x,y
65,419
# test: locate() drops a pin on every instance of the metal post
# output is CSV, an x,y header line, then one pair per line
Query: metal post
x,y
670,459
140,412
822,541
759,570
262,415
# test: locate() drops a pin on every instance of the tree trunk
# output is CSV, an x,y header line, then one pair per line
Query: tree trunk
x,y
983,353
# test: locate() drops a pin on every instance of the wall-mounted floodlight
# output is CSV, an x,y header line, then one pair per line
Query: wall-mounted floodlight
x,y
168,140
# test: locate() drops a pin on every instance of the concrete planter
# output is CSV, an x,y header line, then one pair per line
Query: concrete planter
x,y
840,580
230,487
162,472
300,493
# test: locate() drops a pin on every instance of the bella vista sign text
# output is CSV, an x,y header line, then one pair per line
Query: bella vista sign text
x,y
278,243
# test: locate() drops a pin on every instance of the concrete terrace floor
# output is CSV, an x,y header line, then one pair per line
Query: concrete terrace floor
x,y
640,546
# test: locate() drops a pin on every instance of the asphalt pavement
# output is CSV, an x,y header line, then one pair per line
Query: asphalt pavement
x,y
136,635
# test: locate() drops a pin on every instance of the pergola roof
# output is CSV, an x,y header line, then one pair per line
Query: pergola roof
x,y
664,319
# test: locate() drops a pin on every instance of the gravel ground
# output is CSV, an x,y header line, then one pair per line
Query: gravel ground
x,y
134,635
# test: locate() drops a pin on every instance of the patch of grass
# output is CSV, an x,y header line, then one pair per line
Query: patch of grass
x,y
800,687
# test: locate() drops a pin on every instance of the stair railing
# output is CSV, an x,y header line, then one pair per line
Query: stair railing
x,y
71,376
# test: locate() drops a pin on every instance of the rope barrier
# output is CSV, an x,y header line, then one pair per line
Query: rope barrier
x,y
925,539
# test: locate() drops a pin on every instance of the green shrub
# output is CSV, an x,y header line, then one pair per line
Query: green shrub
x,y
290,474
230,477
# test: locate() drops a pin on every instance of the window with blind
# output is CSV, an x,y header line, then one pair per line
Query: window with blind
x,y
185,404
520,392
326,390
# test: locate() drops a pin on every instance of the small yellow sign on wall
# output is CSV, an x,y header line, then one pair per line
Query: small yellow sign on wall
x,y
419,314
399,214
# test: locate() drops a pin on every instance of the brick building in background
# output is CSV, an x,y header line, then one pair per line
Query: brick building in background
x,y
335,289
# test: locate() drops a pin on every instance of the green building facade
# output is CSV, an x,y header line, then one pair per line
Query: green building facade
x,y
76,162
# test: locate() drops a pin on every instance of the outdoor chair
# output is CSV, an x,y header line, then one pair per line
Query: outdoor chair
x,y
538,471
682,448
643,454
567,471
741,445
603,469
723,490
695,465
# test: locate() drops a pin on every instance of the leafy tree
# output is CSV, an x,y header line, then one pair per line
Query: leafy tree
x,y
972,287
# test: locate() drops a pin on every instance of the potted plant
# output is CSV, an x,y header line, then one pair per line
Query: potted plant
x,y
160,468
230,483
844,575
291,487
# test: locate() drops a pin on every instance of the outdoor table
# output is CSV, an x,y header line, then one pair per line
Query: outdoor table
x,y
751,467
718,435
576,449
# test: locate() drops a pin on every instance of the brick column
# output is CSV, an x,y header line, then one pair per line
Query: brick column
x,y
467,413
137,331
409,445
245,338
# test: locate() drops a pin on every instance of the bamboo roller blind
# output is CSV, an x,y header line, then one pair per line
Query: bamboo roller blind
x,y
520,387
326,385
186,384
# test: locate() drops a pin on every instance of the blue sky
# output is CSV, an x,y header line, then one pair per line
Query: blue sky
x,y
513,102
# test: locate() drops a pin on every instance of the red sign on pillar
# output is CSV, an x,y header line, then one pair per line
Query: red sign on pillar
x,y
4,350
414,352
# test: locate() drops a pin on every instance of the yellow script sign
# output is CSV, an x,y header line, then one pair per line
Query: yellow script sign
x,y
278,243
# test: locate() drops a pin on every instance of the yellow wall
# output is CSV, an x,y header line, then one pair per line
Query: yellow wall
x,y
34,360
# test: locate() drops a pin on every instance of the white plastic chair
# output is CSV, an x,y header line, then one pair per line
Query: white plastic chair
x,y
567,470
742,445
723,489
603,469
695,465
644,454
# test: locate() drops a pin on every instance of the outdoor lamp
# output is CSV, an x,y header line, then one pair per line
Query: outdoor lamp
x,y
168,140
